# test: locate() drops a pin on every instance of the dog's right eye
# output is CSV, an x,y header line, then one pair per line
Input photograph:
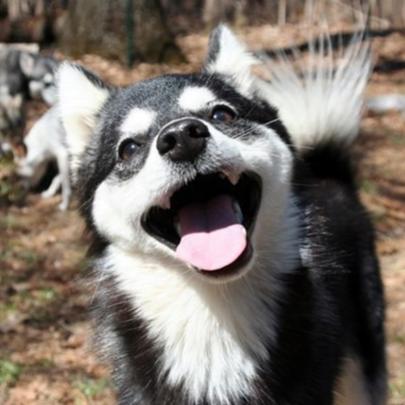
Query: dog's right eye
x,y
127,149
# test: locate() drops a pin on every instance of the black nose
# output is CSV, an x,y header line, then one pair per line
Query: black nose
x,y
183,140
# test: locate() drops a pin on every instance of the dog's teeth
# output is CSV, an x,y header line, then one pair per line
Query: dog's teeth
x,y
238,211
165,204
232,176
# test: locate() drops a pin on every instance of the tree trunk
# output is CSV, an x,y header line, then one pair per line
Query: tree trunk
x,y
282,12
153,39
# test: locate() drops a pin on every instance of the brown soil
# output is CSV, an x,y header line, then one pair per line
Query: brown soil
x,y
45,353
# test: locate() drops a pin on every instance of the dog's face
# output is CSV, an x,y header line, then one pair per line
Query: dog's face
x,y
188,171
40,73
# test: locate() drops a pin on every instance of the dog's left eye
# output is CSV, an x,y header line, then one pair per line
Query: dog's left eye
x,y
127,149
223,113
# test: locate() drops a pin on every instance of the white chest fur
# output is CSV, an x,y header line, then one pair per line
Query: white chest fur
x,y
213,336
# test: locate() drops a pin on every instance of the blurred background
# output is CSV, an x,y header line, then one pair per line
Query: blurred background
x,y
45,347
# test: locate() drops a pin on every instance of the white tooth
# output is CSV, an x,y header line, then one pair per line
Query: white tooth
x,y
232,176
238,211
165,203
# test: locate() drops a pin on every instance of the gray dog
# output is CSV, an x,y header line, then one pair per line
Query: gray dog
x,y
23,74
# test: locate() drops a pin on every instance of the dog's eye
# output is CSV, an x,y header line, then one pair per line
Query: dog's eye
x,y
223,113
127,149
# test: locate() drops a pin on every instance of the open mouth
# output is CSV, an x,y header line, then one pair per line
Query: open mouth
x,y
209,222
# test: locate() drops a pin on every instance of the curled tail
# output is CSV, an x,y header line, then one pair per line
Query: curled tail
x,y
320,101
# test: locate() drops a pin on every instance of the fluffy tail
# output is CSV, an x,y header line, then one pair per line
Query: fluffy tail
x,y
320,100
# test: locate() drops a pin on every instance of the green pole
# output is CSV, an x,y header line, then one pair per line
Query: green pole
x,y
129,23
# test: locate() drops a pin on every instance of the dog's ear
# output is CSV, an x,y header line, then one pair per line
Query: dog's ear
x,y
81,95
228,57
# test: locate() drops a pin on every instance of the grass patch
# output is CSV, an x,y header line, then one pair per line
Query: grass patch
x,y
9,222
399,339
16,252
369,187
10,192
46,294
42,365
34,303
397,388
398,139
91,387
9,372
6,308
29,256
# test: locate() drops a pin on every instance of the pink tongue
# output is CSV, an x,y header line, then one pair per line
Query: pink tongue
x,y
211,234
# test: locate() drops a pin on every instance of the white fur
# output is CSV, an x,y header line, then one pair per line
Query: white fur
x,y
79,101
350,387
46,142
323,102
213,335
233,61
138,121
195,98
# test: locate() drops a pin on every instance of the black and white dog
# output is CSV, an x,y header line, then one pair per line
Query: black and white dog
x,y
234,261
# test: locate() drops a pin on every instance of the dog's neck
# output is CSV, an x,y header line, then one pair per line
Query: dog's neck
x,y
212,336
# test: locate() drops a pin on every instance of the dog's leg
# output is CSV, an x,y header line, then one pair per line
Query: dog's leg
x,y
63,165
53,187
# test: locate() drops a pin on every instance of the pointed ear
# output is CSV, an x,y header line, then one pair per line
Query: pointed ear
x,y
227,56
81,96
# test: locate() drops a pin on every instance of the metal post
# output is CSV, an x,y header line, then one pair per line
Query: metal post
x,y
129,23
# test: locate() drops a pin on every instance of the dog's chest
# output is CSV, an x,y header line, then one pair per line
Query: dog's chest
x,y
211,339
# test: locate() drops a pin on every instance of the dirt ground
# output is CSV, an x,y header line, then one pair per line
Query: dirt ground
x,y
45,349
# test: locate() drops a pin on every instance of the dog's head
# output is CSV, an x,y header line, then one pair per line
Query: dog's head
x,y
191,171
40,73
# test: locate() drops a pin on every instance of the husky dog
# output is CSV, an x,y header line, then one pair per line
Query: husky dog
x,y
23,74
28,74
46,142
40,74
234,262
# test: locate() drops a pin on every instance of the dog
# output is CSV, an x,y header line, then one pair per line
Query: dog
x,y
23,75
233,260
46,142
28,73
39,71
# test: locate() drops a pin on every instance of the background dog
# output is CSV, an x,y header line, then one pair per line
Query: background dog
x,y
45,143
